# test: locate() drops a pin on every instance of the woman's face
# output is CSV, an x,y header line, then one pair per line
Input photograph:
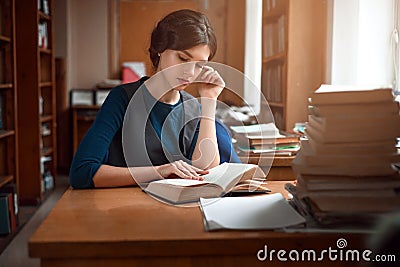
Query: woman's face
x,y
182,67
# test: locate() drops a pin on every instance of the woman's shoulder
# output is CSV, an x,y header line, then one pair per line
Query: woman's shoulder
x,y
131,88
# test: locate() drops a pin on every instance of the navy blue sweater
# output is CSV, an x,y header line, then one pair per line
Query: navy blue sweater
x,y
93,150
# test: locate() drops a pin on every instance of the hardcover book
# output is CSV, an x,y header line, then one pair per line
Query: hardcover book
x,y
219,181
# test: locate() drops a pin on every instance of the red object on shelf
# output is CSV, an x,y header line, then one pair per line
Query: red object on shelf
x,y
132,71
129,76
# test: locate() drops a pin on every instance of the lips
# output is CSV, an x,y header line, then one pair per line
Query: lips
x,y
183,81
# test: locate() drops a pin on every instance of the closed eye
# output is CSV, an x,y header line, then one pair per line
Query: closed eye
x,y
184,59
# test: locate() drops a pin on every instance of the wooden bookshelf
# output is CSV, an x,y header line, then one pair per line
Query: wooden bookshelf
x,y
9,170
36,99
294,51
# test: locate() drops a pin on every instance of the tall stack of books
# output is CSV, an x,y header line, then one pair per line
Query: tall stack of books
x,y
264,140
345,169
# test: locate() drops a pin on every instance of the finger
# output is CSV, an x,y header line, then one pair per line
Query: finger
x,y
218,79
188,174
184,166
182,174
208,77
179,173
195,169
182,169
206,71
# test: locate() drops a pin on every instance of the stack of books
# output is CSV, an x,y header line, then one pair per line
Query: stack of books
x,y
264,140
345,169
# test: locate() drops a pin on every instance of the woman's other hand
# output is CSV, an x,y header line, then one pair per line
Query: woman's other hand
x,y
180,169
210,83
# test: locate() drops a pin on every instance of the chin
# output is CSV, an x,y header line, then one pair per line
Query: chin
x,y
181,87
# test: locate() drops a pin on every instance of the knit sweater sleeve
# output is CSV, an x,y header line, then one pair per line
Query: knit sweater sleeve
x,y
93,148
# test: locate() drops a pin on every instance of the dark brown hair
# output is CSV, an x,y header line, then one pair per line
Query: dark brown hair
x,y
180,30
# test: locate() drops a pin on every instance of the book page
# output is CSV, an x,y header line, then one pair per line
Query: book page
x,y
257,129
227,175
181,182
329,88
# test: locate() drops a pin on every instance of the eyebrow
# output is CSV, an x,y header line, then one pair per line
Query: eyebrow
x,y
187,53
190,55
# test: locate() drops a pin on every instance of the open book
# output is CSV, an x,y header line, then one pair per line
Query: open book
x,y
219,181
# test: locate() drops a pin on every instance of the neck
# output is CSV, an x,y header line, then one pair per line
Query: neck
x,y
171,97
160,89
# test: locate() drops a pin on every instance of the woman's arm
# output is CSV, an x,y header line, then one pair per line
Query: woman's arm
x,y
206,154
91,153
111,176
88,169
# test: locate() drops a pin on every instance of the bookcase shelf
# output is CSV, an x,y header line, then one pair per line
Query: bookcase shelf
x,y
43,16
6,86
45,51
37,103
46,84
5,39
5,179
6,133
276,104
47,151
294,52
46,118
277,57
9,167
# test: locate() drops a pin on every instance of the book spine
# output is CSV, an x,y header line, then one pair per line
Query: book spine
x,y
5,224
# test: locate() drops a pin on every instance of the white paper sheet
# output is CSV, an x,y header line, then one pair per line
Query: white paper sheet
x,y
254,212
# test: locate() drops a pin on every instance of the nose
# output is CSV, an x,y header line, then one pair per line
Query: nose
x,y
189,69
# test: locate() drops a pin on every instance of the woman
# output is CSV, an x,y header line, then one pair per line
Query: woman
x,y
181,44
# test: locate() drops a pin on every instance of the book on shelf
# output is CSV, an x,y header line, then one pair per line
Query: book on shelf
x,y
387,134
300,166
219,181
311,157
345,183
100,96
43,5
273,151
267,129
82,97
274,37
372,147
272,83
333,94
355,110
377,125
43,36
263,135
292,147
345,169
351,207
11,188
7,216
1,112
268,140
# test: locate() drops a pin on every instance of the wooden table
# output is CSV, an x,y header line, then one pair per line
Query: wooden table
x,y
126,227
